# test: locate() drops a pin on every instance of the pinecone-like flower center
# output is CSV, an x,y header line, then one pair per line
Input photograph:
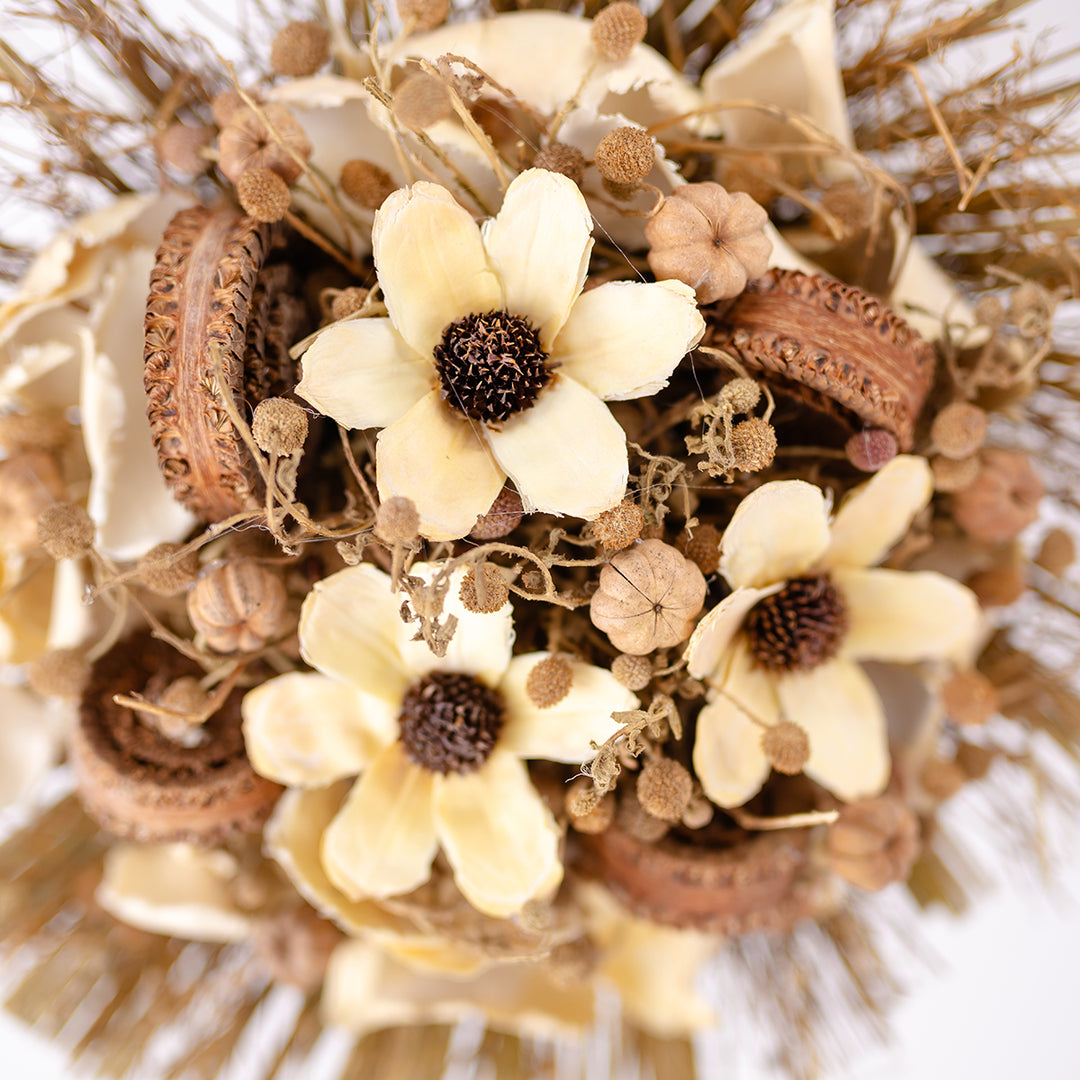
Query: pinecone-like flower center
x,y
450,722
799,627
491,365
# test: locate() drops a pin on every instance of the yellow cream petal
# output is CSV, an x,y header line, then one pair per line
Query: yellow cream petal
x,y
624,339
567,454
348,630
878,513
440,462
709,642
431,264
363,374
31,740
903,617
728,758
539,246
497,833
777,532
566,730
382,841
307,730
838,707
750,686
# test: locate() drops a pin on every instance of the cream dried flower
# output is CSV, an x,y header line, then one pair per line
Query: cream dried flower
x,y
492,362
785,644
712,240
437,743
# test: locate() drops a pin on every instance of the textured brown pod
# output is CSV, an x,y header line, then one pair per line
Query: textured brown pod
x,y
833,346
238,606
214,286
139,785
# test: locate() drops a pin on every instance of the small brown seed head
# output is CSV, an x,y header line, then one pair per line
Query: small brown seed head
x,y
397,521
959,430
998,586
787,747
619,192
238,606
33,431
753,442
970,698
180,146
1057,553
225,104
620,526
502,518
549,681
420,101
423,14
487,595
703,548
263,194
279,426
562,158
347,302
634,672
874,842
699,811
65,530
616,29
741,394
869,450
366,183
664,788
248,143
942,779
1002,500
588,812
974,760
625,155
62,673
164,574
294,947
300,49
637,822
951,475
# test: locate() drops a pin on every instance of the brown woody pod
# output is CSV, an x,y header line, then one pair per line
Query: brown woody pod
x,y
139,785
239,606
214,286
834,347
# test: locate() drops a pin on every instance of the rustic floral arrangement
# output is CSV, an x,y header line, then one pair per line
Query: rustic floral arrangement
x,y
502,506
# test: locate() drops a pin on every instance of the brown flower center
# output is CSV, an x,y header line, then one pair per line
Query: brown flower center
x,y
491,365
450,722
799,627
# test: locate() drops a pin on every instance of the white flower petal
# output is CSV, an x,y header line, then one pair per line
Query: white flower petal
x,y
837,706
440,462
30,741
566,730
363,374
928,300
497,833
877,514
567,454
431,263
750,686
777,532
539,247
624,339
711,637
348,630
307,730
728,757
903,617
383,839
482,643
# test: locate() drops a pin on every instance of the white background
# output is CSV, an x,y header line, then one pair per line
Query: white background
x,y
1002,1002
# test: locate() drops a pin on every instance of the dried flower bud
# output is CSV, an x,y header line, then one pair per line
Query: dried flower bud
x,y
616,29
990,311
486,596
959,430
951,476
181,146
41,431
699,811
1057,553
562,158
754,174
998,586
247,143
1002,501
664,788
703,548
648,597
366,183
619,192
786,747
634,672
942,779
347,302
65,530
974,760
263,195
397,521
300,49
625,155
869,450
620,526
225,104
502,518
294,947
423,14
166,575
588,812
637,822
420,101
969,698
238,606
549,680
62,673
279,426
753,442
874,842
710,240
742,395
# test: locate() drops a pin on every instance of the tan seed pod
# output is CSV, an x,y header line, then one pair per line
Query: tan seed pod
x,y
619,192
1057,552
29,483
998,586
549,680
959,430
616,29
786,747
502,518
562,158
40,431
625,155
65,530
420,101
1002,501
620,526
975,760
703,548
263,195
699,812
869,450
753,442
587,812
942,779
488,599
248,143
951,476
742,395
634,820
181,146
634,672
346,302
300,49
366,183
874,842
238,606
62,673
664,788
279,426
166,575
969,698
423,14
225,104
397,521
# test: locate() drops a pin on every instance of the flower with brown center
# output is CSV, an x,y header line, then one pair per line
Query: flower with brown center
x,y
713,241
782,651
437,742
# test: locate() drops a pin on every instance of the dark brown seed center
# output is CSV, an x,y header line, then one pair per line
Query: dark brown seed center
x,y
799,627
450,722
491,365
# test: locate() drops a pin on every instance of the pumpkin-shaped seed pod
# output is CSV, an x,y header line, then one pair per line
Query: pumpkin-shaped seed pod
x,y
238,606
